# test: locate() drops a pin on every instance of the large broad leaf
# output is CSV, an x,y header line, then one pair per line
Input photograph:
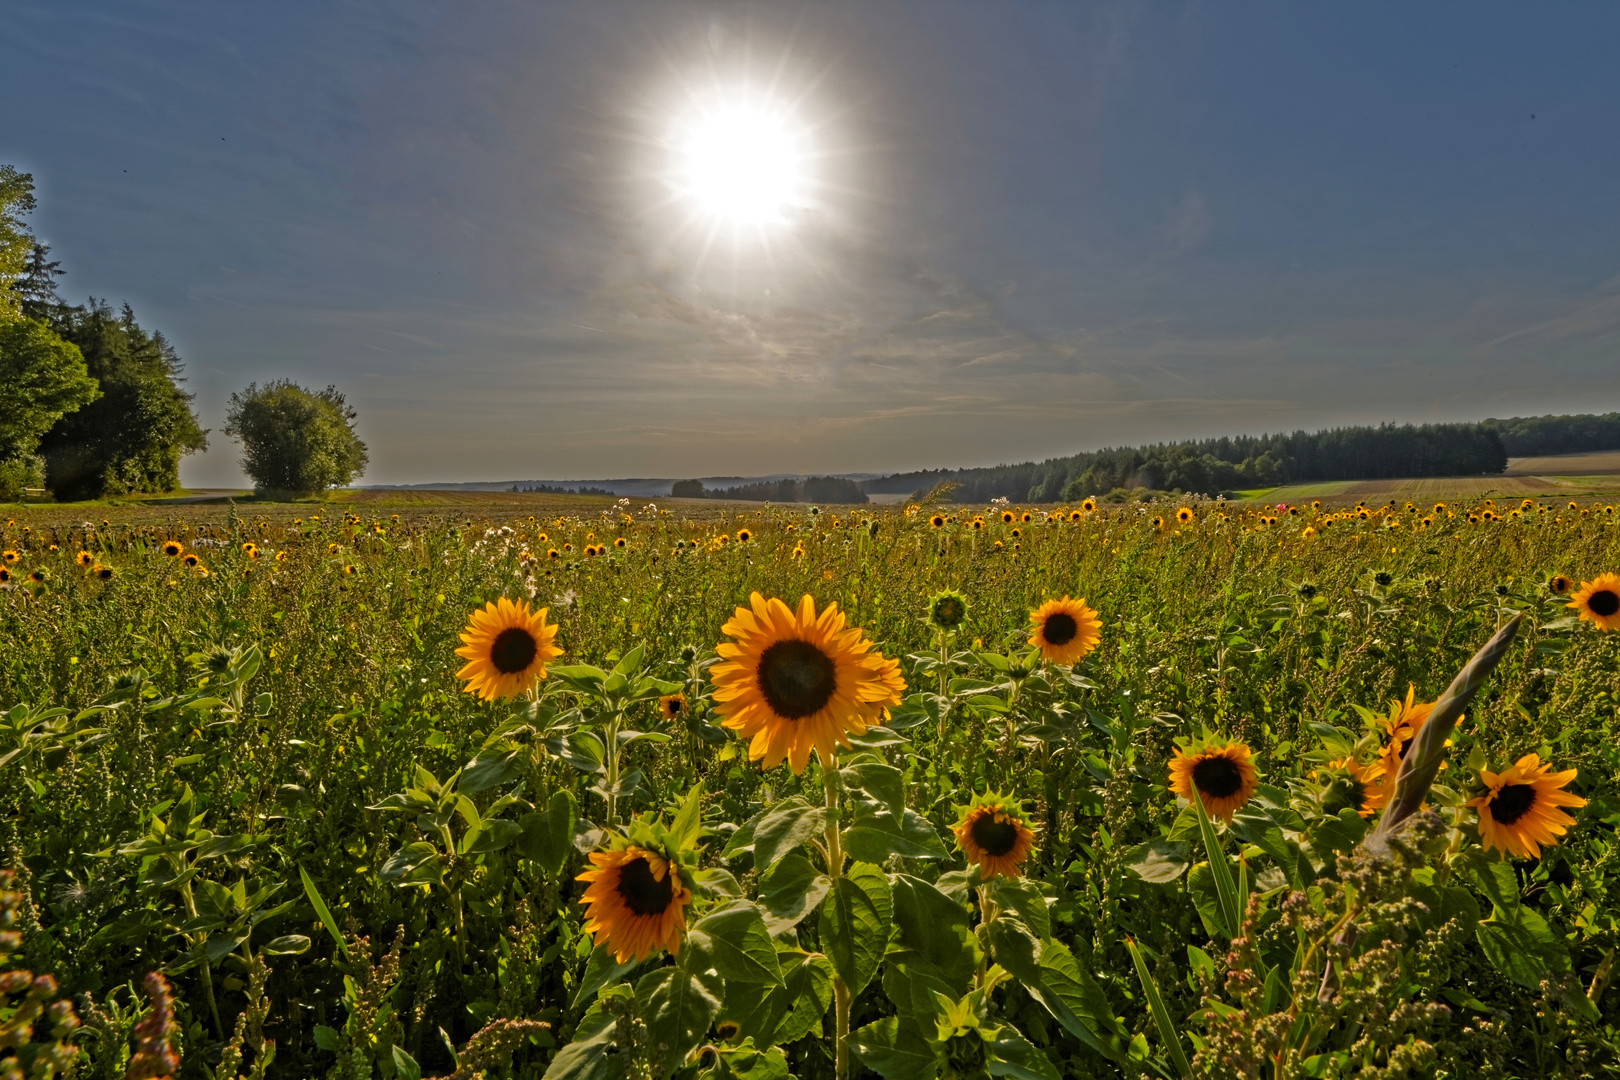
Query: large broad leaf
x,y
1024,897
738,944
875,835
678,1006
1012,946
1160,861
786,1013
547,835
789,824
1264,833
894,1051
884,783
588,1059
1013,1055
748,1062
1074,998
490,769
932,926
913,983
492,834
855,921
601,970
413,864
791,890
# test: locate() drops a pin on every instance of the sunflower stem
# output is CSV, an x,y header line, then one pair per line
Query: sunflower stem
x,y
835,870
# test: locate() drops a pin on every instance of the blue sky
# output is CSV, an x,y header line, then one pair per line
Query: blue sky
x,y
1032,228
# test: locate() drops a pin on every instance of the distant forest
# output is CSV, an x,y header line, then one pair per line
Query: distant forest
x,y
816,489
1213,466
554,489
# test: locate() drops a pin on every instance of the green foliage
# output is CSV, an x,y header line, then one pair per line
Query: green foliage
x,y
42,378
16,240
131,438
294,441
266,782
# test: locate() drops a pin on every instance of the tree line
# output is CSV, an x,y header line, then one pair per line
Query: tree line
x,y
94,404
815,489
1233,463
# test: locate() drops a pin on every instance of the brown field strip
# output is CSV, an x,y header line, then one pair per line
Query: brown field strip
x,y
1607,461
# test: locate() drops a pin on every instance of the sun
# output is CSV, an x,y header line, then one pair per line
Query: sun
x,y
744,164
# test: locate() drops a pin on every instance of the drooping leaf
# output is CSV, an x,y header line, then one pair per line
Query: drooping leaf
x,y
738,944
791,890
855,922
678,1006
894,1051
874,836
546,836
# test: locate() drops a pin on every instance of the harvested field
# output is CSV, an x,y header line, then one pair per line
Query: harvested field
x,y
1607,461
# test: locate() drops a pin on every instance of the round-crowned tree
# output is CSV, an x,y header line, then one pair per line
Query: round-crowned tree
x,y
295,442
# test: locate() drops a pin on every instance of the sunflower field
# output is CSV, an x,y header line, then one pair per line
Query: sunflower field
x,y
1173,789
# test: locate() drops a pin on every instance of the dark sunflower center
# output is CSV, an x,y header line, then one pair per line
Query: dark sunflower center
x,y
1604,602
1217,777
796,678
993,837
513,650
1059,629
1512,803
674,706
642,893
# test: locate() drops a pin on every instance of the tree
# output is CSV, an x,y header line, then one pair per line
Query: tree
x,y
16,241
42,377
295,442
133,437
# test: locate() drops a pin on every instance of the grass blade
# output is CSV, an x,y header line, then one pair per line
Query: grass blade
x,y
324,912
1221,870
1161,1016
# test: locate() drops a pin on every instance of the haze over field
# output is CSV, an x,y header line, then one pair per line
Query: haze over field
x,y
697,239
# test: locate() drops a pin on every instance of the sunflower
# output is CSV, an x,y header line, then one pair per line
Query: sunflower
x,y
174,549
978,521
994,834
37,576
1064,630
84,558
1599,601
1185,515
672,706
619,542
635,903
1560,585
743,536
1088,505
333,548
937,521
1522,807
1008,517
1406,718
250,549
1354,786
191,559
506,649
797,681
948,609
102,572
1220,771
5,575
1158,522
349,570
10,557
1076,515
